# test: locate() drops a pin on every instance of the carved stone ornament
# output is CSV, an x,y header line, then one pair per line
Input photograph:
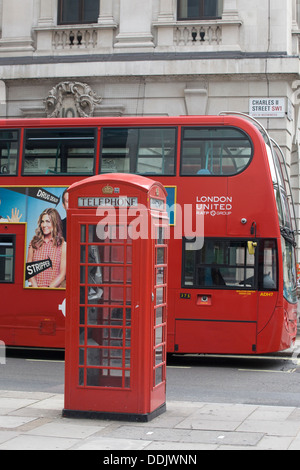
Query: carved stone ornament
x,y
83,99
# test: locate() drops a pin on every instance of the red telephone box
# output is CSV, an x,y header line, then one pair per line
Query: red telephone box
x,y
115,363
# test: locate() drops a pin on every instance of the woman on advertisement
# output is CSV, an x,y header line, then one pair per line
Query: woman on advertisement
x,y
46,260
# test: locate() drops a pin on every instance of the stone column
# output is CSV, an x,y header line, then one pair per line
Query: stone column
x,y
166,11
45,27
108,25
16,26
46,13
165,23
135,25
106,16
230,10
231,25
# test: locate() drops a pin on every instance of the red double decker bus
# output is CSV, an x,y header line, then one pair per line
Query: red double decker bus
x,y
230,291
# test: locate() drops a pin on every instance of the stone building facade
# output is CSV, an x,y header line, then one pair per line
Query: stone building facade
x,y
155,57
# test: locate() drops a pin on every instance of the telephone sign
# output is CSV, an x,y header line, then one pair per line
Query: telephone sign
x,y
121,201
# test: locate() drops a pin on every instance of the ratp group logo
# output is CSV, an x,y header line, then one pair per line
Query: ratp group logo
x,y
2,353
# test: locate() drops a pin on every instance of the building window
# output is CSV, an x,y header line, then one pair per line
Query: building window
x,y
78,11
199,9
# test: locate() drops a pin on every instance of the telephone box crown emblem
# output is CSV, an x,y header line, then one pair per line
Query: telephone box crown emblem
x,y
107,189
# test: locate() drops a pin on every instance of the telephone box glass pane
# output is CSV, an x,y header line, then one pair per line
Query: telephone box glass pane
x,y
159,357
81,336
159,295
93,357
82,274
83,233
105,316
158,375
105,308
82,294
81,377
129,254
160,256
81,357
106,357
160,235
82,254
81,315
112,275
159,315
127,358
159,335
160,276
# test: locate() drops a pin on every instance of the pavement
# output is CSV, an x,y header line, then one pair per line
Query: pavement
x,y
33,421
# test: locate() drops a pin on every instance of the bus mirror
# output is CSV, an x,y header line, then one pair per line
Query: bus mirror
x,y
251,247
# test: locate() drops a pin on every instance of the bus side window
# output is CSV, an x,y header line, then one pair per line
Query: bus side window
x,y
289,271
9,144
221,263
59,151
219,151
267,278
146,151
7,255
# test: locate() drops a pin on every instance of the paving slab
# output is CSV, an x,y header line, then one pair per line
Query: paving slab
x,y
29,442
34,421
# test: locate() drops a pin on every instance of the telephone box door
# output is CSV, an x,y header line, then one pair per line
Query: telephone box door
x,y
104,310
159,314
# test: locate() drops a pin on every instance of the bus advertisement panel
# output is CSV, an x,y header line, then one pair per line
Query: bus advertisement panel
x,y
43,209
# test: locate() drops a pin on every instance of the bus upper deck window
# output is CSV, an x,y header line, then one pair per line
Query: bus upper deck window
x,y
6,259
214,151
59,151
9,143
146,151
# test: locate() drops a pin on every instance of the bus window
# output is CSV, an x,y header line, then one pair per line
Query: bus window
x,y
9,142
219,263
277,165
282,202
286,211
7,250
279,204
267,277
59,152
289,271
146,151
214,151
